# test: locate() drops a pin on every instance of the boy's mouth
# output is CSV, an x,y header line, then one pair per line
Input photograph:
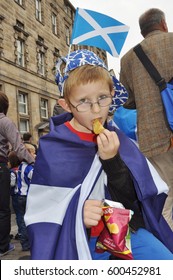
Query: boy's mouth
x,y
99,119
97,126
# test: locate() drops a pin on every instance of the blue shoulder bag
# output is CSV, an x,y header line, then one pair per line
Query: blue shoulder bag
x,y
166,88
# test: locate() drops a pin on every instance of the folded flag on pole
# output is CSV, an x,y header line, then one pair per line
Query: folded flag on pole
x,y
98,30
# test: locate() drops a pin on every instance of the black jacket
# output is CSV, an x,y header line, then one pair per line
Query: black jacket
x,y
121,189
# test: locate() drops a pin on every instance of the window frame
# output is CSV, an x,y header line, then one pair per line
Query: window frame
x,y
23,103
38,10
67,35
27,125
23,111
44,108
20,2
54,23
20,52
41,63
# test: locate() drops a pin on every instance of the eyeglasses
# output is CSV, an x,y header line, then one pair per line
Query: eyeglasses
x,y
85,106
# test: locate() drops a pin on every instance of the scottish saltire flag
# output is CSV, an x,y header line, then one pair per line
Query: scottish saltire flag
x,y
67,172
57,216
98,30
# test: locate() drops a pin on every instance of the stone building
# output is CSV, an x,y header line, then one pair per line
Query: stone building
x,y
33,34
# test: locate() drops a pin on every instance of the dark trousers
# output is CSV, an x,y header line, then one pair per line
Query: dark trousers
x,y
23,231
5,212
19,217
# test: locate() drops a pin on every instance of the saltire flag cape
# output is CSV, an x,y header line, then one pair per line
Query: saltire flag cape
x,y
95,29
66,173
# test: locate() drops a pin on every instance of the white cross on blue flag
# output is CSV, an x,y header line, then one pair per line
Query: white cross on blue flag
x,y
98,30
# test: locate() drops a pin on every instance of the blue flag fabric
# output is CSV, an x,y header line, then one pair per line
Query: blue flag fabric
x,y
95,29
126,120
66,173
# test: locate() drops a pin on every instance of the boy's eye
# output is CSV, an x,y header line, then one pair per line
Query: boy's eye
x,y
84,100
103,96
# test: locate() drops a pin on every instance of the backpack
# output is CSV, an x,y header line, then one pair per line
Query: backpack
x,y
166,88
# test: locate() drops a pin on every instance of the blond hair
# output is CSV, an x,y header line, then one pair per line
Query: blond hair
x,y
85,74
30,148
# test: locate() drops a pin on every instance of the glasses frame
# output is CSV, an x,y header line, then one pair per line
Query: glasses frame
x,y
91,104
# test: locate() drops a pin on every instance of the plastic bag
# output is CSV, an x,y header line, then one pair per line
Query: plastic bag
x,y
115,237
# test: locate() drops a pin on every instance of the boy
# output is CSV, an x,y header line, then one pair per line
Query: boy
x,y
13,164
76,169
27,139
24,176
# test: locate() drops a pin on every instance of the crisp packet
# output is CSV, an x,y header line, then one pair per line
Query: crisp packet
x,y
115,237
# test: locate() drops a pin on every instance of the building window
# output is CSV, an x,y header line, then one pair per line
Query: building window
x,y
41,63
44,108
1,36
38,10
20,52
67,33
21,47
55,7
56,55
23,126
23,103
40,40
56,52
19,24
23,112
54,24
68,10
20,2
41,56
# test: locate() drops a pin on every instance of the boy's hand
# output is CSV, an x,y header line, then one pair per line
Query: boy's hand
x,y
92,212
108,144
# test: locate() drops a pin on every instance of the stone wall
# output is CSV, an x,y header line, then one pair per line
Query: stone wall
x,y
19,22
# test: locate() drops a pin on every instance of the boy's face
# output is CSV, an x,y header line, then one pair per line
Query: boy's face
x,y
32,152
90,92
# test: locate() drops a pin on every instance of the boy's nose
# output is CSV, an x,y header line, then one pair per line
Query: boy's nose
x,y
95,107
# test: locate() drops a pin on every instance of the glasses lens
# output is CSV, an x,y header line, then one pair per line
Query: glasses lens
x,y
83,107
106,101
86,106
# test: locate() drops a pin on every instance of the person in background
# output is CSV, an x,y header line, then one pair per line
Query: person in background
x,y
57,110
27,139
8,135
77,167
154,136
13,164
24,177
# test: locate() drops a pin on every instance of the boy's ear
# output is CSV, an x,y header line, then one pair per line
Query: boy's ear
x,y
112,93
64,105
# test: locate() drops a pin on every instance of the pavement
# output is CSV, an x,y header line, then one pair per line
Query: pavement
x,y
17,253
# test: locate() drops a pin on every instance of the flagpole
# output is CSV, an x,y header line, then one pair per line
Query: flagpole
x,y
68,55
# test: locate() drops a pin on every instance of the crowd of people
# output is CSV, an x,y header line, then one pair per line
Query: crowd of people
x,y
58,190
21,175
10,139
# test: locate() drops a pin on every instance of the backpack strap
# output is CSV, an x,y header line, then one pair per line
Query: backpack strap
x,y
149,66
